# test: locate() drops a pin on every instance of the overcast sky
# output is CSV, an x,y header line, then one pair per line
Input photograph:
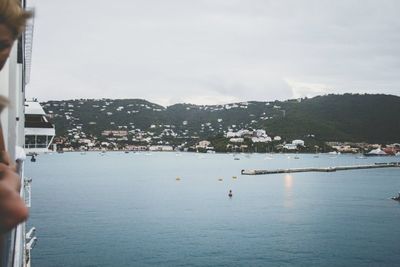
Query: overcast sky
x,y
214,51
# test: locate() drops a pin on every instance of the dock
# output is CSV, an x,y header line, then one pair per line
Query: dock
x,y
323,169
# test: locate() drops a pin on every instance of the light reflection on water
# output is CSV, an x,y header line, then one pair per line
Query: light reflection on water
x,y
288,190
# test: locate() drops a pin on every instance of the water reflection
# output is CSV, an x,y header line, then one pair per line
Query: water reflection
x,y
288,200
288,182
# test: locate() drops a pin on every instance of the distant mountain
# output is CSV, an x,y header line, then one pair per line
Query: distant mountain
x,y
349,117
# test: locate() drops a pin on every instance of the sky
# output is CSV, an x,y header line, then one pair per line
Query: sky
x,y
214,51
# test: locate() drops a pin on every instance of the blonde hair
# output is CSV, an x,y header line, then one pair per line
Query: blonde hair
x,y
13,16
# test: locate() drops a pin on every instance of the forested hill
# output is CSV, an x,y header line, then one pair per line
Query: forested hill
x,y
349,117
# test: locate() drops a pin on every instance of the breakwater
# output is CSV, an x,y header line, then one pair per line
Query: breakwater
x,y
323,169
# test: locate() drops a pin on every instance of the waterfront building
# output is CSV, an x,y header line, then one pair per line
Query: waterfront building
x,y
290,146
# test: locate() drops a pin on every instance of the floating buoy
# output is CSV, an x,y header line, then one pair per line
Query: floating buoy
x,y
220,179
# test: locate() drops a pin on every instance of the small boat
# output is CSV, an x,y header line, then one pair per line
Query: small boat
x,y
376,153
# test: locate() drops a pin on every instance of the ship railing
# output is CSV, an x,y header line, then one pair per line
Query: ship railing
x,y
14,250
30,146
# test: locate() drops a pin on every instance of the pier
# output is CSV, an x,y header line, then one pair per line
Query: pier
x,y
322,169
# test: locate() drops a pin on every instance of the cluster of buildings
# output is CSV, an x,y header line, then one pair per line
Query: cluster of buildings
x,y
165,140
182,135
294,145
255,136
350,147
130,133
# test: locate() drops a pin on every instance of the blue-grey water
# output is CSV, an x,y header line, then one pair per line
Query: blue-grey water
x,y
129,210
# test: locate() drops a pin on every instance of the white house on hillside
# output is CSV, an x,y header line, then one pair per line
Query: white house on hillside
x,y
236,140
203,144
298,142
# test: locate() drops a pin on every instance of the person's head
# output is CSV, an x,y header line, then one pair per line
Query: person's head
x,y
12,23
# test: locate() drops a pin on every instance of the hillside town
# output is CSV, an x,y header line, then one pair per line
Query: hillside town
x,y
243,140
139,125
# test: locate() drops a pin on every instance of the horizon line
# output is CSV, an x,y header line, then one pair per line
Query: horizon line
x,y
244,101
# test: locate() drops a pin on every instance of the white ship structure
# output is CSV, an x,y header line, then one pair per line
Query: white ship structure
x,y
39,132
16,245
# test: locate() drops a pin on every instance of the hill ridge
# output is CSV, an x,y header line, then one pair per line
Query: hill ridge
x,y
371,118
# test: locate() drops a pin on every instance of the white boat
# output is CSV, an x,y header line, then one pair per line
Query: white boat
x,y
376,152
39,131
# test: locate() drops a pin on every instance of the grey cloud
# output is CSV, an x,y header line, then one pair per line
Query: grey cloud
x,y
210,51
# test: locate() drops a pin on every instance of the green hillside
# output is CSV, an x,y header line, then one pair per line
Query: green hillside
x,y
349,117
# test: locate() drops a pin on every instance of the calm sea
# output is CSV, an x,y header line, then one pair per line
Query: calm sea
x,y
129,210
